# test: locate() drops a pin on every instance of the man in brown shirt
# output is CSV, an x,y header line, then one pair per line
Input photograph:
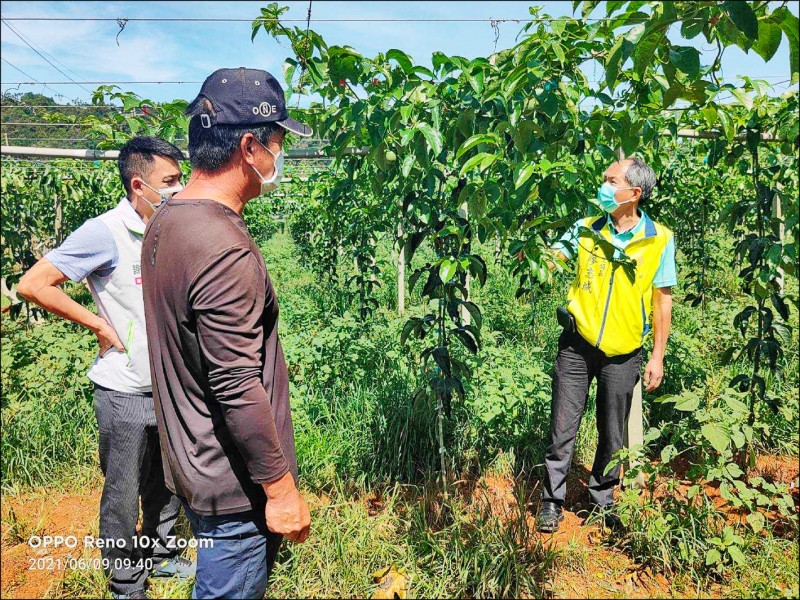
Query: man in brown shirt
x,y
219,378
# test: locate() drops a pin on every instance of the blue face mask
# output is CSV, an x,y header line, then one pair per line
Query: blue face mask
x,y
606,194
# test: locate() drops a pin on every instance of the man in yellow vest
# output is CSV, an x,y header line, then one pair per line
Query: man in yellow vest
x,y
625,270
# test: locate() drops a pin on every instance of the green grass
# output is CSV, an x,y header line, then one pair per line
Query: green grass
x,y
359,438
445,548
49,428
771,572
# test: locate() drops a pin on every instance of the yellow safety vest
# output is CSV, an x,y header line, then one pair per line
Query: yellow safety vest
x,y
612,312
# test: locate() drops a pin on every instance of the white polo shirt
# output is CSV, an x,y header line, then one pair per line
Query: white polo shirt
x,y
106,252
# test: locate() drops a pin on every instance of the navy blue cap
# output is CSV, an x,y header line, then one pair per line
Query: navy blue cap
x,y
247,97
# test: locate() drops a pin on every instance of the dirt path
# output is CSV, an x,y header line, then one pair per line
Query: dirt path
x,y
585,567
586,570
27,571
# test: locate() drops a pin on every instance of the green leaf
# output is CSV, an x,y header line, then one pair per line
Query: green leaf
x,y
425,71
447,269
673,93
686,59
548,103
474,312
558,50
481,161
408,162
524,134
523,175
256,26
780,305
743,97
412,281
692,27
668,453
717,436
687,403
134,123
789,23
710,116
476,80
288,72
743,17
407,329
481,138
478,268
477,203
439,59
442,358
344,63
402,59
470,343
756,521
645,50
737,555
769,39
713,557
433,137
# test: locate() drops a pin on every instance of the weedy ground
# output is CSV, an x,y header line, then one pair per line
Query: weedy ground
x,y
369,460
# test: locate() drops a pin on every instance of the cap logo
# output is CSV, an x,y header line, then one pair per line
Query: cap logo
x,y
264,109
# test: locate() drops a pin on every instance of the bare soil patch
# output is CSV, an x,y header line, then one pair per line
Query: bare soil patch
x,y
41,514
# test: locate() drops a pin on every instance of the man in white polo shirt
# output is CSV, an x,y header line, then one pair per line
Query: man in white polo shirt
x,y
106,252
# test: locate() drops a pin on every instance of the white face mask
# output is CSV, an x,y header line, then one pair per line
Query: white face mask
x,y
165,194
271,184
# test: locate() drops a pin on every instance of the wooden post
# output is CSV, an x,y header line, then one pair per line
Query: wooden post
x,y
59,219
465,316
634,430
779,230
372,258
634,424
401,272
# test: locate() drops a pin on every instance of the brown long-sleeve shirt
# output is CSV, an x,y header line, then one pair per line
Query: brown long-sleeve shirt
x,y
220,384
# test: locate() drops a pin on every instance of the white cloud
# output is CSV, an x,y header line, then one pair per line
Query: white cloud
x,y
90,49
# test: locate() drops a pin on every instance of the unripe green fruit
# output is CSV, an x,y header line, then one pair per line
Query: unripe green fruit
x,y
391,156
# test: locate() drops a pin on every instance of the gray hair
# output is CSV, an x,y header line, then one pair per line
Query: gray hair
x,y
638,174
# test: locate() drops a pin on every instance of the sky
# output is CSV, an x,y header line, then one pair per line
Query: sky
x,y
190,51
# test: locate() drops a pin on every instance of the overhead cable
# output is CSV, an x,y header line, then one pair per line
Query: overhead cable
x,y
49,62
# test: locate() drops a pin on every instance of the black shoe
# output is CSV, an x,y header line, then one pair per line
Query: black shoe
x,y
550,516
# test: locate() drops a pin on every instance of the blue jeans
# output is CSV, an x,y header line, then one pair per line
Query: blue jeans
x,y
235,555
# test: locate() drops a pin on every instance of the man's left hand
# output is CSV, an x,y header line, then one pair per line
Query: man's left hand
x,y
653,374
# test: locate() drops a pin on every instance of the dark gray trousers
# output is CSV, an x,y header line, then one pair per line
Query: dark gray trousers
x,y
579,362
130,458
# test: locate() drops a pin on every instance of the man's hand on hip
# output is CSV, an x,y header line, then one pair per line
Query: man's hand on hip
x,y
653,373
106,336
287,512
